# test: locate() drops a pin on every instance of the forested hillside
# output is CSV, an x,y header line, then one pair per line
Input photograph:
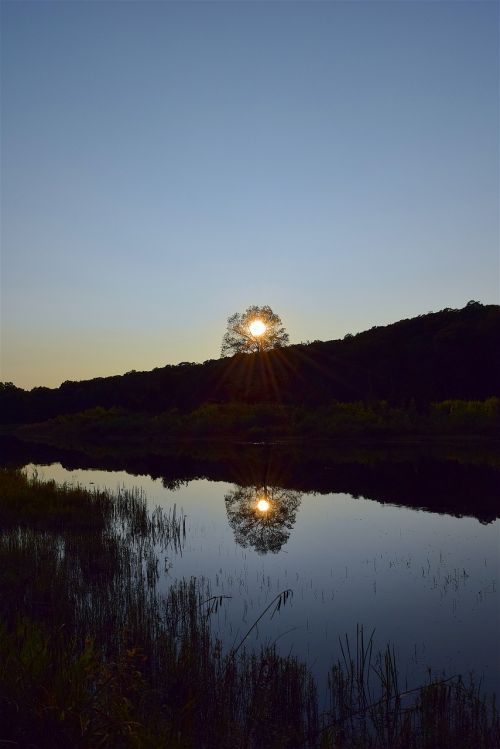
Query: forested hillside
x,y
452,354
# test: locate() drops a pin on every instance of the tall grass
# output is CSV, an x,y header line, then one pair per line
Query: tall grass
x,y
370,708
93,655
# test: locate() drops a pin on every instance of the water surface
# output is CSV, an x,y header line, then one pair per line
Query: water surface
x,y
425,581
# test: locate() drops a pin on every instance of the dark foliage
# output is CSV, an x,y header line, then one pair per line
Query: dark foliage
x,y
92,654
452,354
238,338
267,530
457,479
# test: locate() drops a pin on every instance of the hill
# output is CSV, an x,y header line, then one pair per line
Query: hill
x,y
451,354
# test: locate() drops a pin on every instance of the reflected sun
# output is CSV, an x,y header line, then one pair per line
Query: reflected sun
x,y
257,328
263,505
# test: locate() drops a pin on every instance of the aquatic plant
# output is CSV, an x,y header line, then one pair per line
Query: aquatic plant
x,y
93,655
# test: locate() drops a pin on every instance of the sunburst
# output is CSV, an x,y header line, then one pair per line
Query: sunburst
x,y
257,328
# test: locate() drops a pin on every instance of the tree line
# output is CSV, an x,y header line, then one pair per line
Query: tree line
x,y
451,354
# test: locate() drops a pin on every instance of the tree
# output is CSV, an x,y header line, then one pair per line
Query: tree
x,y
262,517
256,329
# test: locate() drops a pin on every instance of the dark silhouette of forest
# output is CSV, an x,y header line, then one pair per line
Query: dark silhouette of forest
x,y
452,354
458,479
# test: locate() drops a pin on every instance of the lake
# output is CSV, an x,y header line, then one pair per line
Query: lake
x,y
412,551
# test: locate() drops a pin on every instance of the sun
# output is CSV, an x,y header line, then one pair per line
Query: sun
x,y
263,505
257,328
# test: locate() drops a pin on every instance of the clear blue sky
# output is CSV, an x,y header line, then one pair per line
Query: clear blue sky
x,y
167,164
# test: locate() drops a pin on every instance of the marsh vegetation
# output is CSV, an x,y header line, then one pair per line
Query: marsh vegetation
x,y
94,652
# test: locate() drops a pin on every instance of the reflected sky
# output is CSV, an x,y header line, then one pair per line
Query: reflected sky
x,y
426,582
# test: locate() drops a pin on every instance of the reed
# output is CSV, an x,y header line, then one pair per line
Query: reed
x,y
93,655
369,708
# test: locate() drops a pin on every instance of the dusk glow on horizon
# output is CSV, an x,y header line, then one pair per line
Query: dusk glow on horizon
x,y
250,277
150,149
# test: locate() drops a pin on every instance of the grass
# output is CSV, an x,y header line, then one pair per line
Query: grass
x,y
92,655
370,708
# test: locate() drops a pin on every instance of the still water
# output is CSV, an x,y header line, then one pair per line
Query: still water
x,y
425,582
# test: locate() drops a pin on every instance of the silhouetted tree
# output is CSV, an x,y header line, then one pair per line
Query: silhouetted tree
x,y
262,517
256,329
452,354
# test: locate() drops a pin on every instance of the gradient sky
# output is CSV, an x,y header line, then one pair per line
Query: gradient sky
x,y
167,164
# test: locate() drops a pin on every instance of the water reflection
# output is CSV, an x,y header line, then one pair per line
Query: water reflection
x,y
429,583
262,517
454,479
263,505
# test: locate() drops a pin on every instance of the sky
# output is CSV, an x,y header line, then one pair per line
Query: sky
x,y
166,164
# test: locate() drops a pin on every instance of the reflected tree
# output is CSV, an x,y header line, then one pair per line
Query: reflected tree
x,y
262,517
173,484
256,329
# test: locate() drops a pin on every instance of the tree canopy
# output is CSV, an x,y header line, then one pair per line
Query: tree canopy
x,y
256,329
262,517
451,354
